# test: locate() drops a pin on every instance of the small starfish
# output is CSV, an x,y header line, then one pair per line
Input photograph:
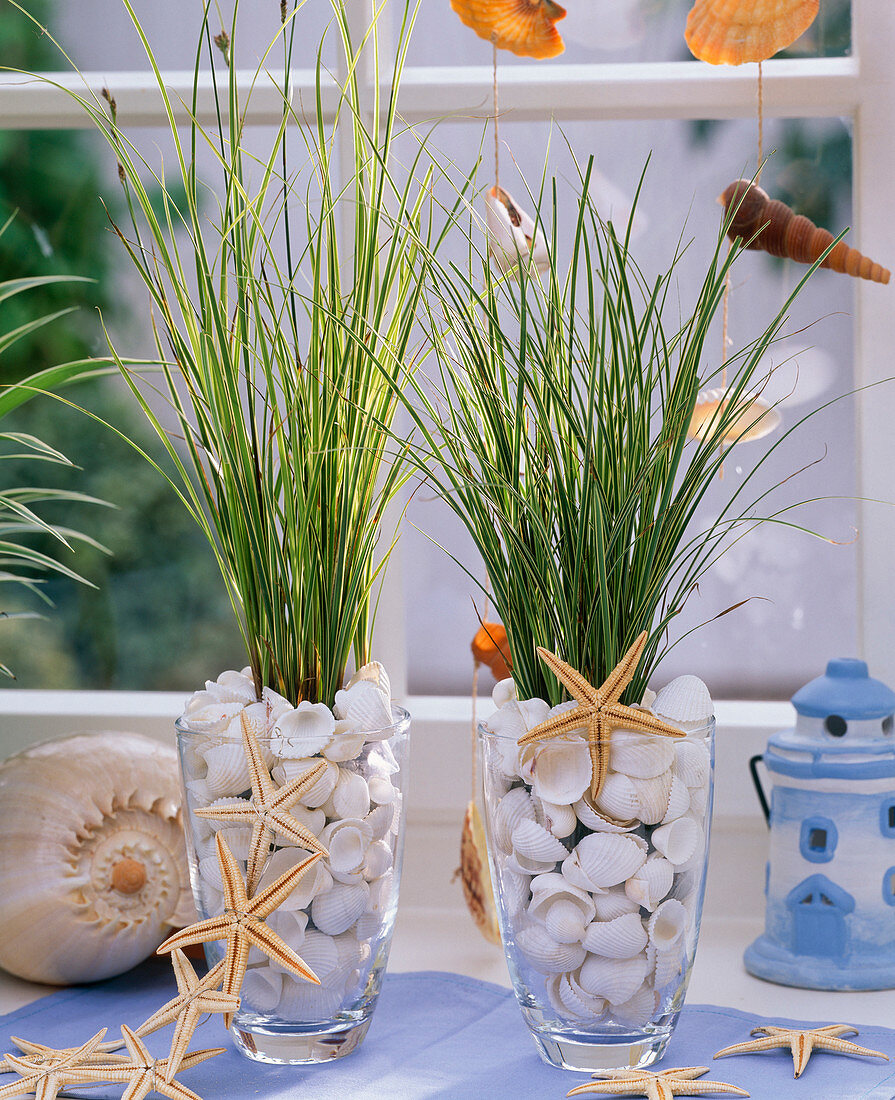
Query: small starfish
x,y
46,1055
599,710
802,1043
51,1070
242,923
144,1073
268,809
194,998
655,1086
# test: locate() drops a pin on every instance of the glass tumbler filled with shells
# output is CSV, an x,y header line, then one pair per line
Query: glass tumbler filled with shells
x,y
597,818
295,833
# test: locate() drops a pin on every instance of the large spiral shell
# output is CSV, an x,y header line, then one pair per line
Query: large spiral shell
x,y
790,235
92,860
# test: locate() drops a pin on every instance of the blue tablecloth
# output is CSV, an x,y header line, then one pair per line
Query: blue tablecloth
x,y
439,1035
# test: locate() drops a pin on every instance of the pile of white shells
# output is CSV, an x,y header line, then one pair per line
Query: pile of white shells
x,y
335,914
601,895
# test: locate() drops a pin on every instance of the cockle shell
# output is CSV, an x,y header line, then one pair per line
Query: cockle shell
x,y
525,27
614,903
339,907
317,880
261,989
559,771
638,1009
380,820
569,999
206,715
545,954
615,979
303,731
731,32
382,790
504,692
621,938
533,841
378,860
692,762
564,922
607,859
515,806
667,965
346,744
348,840
652,797
365,707
618,797
684,701
559,820
699,797
93,869
677,841
304,1002
549,888
745,420
376,674
678,800
287,770
230,687
313,820
350,797
512,234
515,891
228,770
651,883
667,925
597,822
640,755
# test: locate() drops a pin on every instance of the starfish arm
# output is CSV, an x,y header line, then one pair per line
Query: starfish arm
x,y
621,675
633,1087
560,725
175,1091
184,975
271,944
837,1029
162,1016
139,1087
291,792
598,747
842,1046
18,1088
262,784
228,814
196,1056
698,1088
802,1046
286,825
685,1073
570,678
642,720
80,1054
215,928
274,895
231,876
48,1087
769,1042
183,1033
237,958
259,849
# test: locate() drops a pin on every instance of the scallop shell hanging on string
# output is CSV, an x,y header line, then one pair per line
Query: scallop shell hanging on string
x,y
731,32
490,647
524,27
512,234
751,418
475,876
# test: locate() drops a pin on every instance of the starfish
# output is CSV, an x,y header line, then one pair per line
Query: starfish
x,y
46,1055
50,1070
144,1073
268,809
242,923
598,710
194,998
802,1043
655,1086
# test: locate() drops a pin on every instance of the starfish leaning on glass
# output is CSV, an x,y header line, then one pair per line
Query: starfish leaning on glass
x,y
268,810
654,1086
50,1070
599,710
242,923
802,1043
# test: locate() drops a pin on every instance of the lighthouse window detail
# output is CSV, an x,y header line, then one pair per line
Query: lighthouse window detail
x,y
887,818
817,842
889,886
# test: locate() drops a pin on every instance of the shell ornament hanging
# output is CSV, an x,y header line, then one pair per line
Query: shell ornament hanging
x,y
731,32
490,647
778,230
512,234
524,27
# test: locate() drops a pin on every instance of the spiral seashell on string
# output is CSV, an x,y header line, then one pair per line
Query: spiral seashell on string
x,y
771,226
512,234
731,32
524,27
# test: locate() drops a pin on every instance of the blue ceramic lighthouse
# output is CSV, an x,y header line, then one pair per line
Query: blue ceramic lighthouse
x,y
830,920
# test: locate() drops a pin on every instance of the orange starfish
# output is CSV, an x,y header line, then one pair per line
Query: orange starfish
x,y
599,710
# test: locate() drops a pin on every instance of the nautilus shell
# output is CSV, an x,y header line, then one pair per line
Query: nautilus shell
x,y
524,27
490,647
729,32
93,870
790,235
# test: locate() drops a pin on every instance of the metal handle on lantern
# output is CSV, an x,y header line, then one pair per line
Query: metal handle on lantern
x,y
759,790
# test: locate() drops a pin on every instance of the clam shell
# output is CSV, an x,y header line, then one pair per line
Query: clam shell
x,y
261,989
699,799
597,822
382,791
205,715
238,838
640,755
615,979
312,820
677,841
637,1010
504,692
515,806
559,771
651,882
614,903
315,881
570,1000
348,841
652,797
551,887
351,796
524,865
228,769
621,938
287,770
210,872
730,32
684,701
533,841
378,860
230,686
376,674
667,925
367,926
678,800
694,863
511,231
514,890
364,706
339,907
559,820
685,885
565,922
303,731
618,797
346,743
290,925
667,965
692,761
305,1002
545,954
380,820
607,859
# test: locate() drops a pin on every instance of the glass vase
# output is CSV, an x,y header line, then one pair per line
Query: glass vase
x,y
340,916
599,901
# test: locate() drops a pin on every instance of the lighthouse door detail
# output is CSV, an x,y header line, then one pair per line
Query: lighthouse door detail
x,y
819,908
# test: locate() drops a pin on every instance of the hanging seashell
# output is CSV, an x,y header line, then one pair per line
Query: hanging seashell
x,y
637,1010
771,226
376,674
618,797
475,876
614,903
512,238
620,938
92,860
228,769
490,647
640,755
692,762
667,925
651,883
731,32
365,707
545,954
652,797
752,418
524,27
597,822
678,800
559,771
504,692
339,907
677,841
533,841
615,979
606,859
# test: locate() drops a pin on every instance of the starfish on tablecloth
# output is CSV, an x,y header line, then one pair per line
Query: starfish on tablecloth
x,y
195,997
50,1071
802,1043
46,1055
145,1074
599,710
655,1086
268,809
242,923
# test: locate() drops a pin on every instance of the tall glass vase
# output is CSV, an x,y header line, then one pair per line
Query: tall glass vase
x,y
339,918
599,900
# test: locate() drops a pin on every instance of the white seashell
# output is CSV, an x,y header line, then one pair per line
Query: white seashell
x,y
303,731
378,860
205,715
367,926
685,701
524,865
504,692
380,893
305,1002
597,822
339,907
534,711
261,989
365,707
380,820
667,924
290,925
382,791
347,841
276,706
651,883
678,800
551,887
515,891
637,1010
699,799
228,769
621,938
257,718
607,859
316,881
313,820
376,674
640,755
578,1000
565,921
289,769
346,744
685,886
210,900
545,954
615,979
692,761
618,797
231,686
559,771
508,724
533,841
512,235
677,841
515,806
351,796
694,863
614,903
652,797
647,699
238,838
559,820
210,872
